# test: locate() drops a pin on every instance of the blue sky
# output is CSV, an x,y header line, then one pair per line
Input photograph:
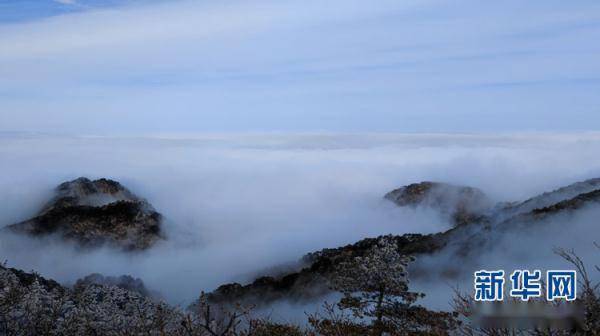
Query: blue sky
x,y
139,67
14,11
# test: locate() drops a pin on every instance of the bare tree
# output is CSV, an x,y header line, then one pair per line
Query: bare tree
x,y
215,320
588,295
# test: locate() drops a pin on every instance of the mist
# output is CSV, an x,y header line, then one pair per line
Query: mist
x,y
238,204
530,248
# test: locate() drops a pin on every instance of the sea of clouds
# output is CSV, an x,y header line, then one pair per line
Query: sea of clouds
x,y
237,204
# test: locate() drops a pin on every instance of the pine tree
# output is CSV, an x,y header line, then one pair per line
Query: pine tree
x,y
375,289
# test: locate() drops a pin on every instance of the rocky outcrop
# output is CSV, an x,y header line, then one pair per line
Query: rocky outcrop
x,y
96,213
460,204
467,205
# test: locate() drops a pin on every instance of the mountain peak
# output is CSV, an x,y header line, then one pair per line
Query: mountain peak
x,y
94,213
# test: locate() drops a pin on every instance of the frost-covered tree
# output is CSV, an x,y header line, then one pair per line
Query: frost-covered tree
x,y
375,288
31,305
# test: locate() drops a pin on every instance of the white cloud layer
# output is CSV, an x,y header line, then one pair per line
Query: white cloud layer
x,y
187,66
238,204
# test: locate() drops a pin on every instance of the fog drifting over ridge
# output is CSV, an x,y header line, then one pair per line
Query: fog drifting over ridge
x,y
237,204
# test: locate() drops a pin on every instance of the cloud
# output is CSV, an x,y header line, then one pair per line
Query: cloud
x,y
186,66
66,2
528,248
239,204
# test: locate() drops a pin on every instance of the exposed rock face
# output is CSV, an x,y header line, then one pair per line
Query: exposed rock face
x,y
464,240
94,213
461,204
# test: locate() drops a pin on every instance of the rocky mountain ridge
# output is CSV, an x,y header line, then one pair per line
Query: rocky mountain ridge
x,y
94,213
474,225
